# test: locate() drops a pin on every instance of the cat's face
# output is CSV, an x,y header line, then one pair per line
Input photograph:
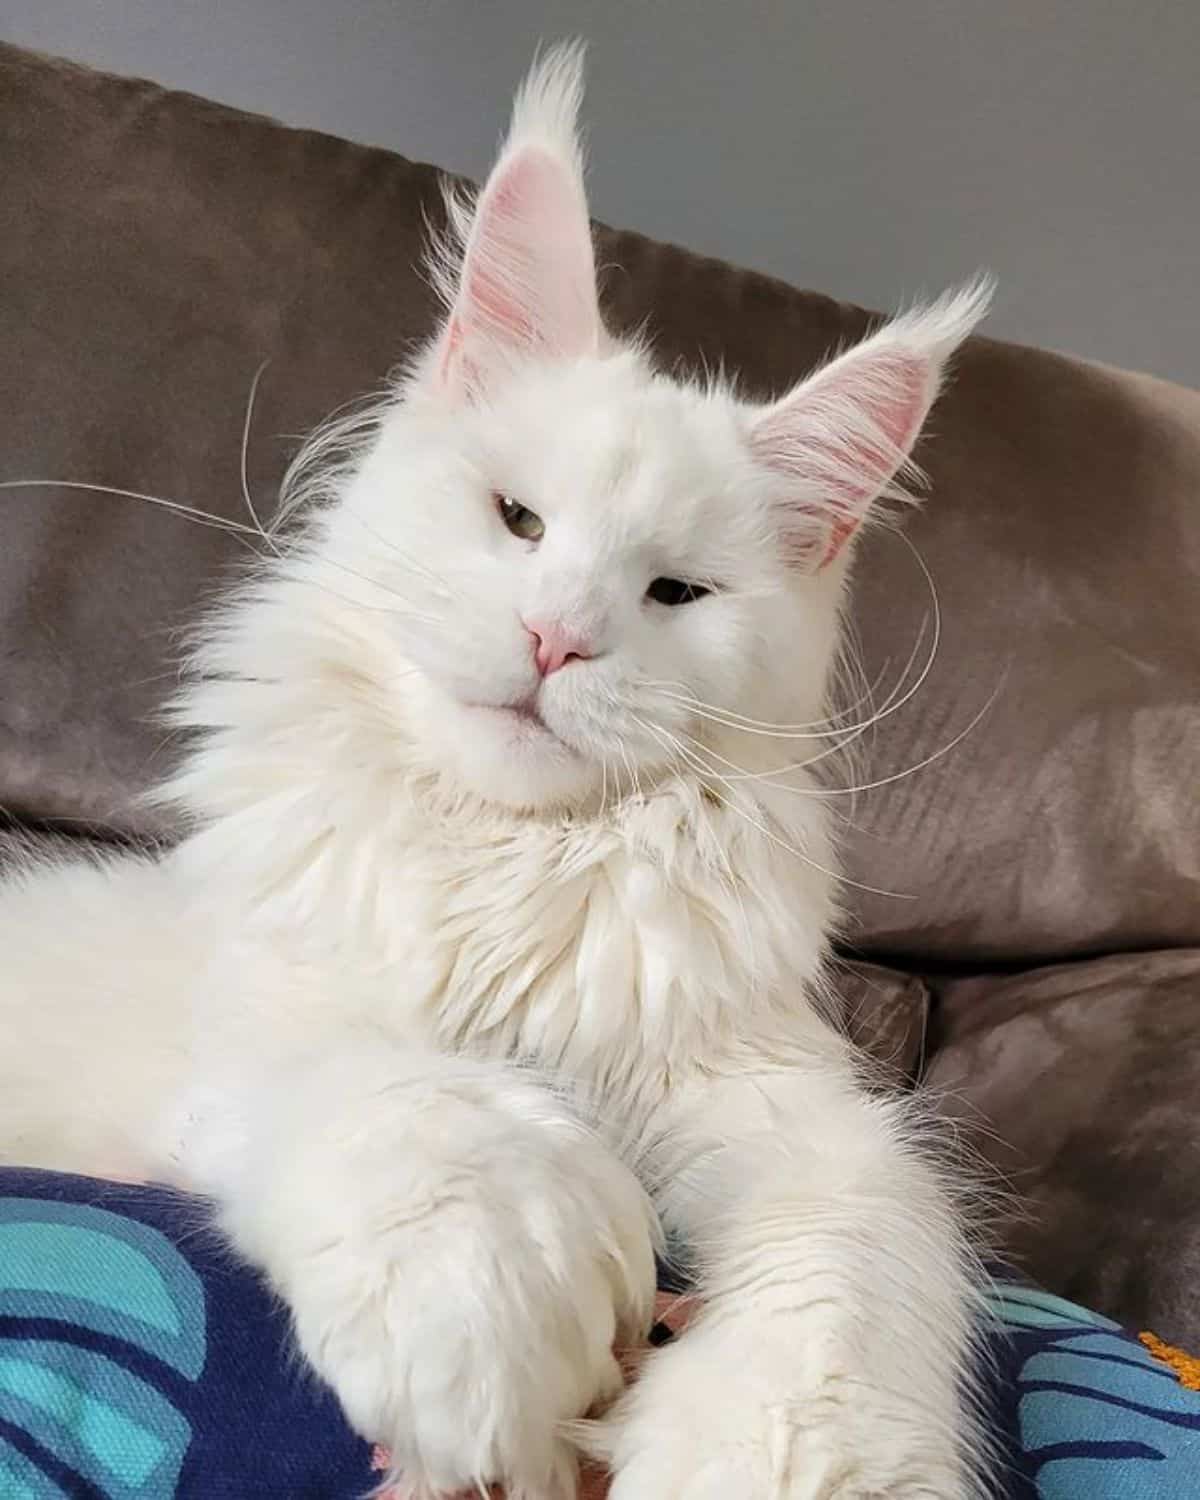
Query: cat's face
x,y
584,565
585,568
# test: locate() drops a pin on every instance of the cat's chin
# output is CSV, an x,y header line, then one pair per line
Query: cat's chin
x,y
521,724
513,757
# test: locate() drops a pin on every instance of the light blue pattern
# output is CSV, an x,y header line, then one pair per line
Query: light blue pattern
x,y
70,1272
1117,1375
83,1266
1027,1307
19,1480
1099,1418
114,1429
46,1258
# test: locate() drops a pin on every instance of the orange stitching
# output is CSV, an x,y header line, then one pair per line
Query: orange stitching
x,y
1186,1366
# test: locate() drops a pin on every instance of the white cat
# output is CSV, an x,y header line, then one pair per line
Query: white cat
x,y
497,938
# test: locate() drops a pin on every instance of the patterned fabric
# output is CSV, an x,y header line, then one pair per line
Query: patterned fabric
x,y
140,1361
1088,1410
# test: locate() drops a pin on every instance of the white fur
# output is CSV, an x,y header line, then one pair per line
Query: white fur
x,y
428,981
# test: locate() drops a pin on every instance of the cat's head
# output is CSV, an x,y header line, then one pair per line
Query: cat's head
x,y
584,563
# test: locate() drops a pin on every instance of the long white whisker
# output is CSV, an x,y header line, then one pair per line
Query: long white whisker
x,y
189,512
768,833
836,746
244,533
870,786
375,583
730,719
628,769
825,792
731,881
245,454
739,773
821,727
357,604
412,563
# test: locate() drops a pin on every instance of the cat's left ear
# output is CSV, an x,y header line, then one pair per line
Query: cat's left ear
x,y
843,436
519,277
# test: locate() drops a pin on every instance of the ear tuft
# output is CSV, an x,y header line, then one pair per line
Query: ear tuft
x,y
844,435
546,108
516,268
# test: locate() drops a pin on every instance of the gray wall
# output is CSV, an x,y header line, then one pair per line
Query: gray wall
x,y
868,148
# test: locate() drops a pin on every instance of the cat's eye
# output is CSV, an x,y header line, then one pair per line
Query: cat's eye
x,y
519,519
673,591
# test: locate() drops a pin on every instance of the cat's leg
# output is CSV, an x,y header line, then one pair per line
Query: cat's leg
x,y
459,1254
96,957
831,1355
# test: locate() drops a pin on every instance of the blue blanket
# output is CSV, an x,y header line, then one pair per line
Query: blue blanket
x,y
140,1361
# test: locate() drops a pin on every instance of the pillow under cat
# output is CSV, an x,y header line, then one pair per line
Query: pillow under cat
x,y
497,945
139,1361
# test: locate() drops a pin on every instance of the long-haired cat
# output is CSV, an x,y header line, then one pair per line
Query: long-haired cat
x,y
495,946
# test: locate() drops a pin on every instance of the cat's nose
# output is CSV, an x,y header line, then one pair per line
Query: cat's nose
x,y
555,646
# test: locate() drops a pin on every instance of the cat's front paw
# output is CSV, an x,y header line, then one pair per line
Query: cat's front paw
x,y
726,1414
465,1316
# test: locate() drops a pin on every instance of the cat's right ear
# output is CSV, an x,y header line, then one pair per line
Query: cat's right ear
x,y
516,269
842,436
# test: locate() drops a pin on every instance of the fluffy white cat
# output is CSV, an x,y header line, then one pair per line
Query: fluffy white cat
x,y
496,941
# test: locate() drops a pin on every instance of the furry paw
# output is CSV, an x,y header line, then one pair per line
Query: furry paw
x,y
732,1411
461,1285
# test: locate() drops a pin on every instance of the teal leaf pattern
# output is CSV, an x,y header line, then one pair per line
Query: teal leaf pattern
x,y
104,1343
21,1480
113,1428
96,1408
1098,1416
81,1265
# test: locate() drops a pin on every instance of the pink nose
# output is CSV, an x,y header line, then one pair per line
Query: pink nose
x,y
554,646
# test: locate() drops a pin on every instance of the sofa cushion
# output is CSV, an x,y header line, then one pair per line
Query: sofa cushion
x,y
886,1013
1080,1084
158,249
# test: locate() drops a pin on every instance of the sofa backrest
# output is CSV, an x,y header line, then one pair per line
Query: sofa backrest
x,y
158,249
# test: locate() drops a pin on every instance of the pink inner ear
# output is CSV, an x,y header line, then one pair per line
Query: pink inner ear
x,y
839,535
897,421
451,344
513,197
891,401
482,301
528,277
847,431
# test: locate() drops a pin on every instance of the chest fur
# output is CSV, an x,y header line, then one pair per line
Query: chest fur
x,y
615,953
620,951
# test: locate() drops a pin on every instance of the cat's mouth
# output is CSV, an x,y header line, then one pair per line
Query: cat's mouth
x,y
525,719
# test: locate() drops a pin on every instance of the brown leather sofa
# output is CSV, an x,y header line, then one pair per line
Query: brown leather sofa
x,y
1039,959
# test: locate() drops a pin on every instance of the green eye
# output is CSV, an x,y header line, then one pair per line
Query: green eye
x,y
519,519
